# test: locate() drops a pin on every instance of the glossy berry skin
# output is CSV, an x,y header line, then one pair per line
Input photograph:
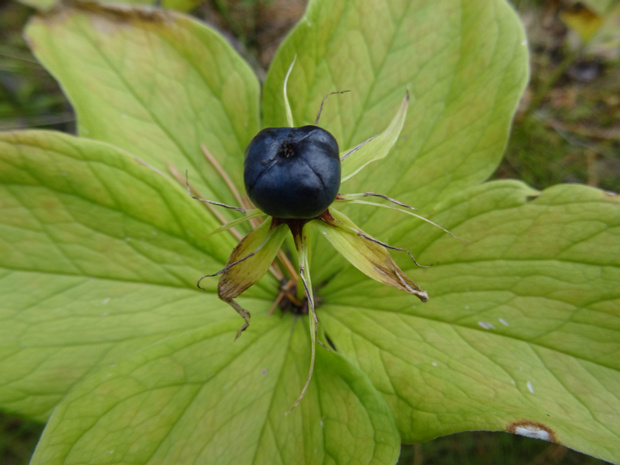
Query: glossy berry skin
x,y
292,172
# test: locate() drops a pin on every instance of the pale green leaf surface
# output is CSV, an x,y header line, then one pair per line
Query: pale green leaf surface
x,y
465,64
167,405
77,207
521,325
158,84
55,329
99,255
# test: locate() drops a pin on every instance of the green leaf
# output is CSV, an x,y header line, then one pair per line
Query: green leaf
x,y
168,405
521,327
87,273
465,65
79,207
165,85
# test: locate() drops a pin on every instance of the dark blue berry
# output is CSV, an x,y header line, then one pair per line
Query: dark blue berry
x,y
292,172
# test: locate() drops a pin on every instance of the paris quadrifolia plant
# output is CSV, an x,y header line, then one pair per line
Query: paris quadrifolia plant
x,y
293,174
105,336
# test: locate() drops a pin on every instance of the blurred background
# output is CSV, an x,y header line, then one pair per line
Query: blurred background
x,y
567,130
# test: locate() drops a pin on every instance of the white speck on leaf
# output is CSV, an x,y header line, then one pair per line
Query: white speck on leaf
x,y
530,387
128,239
466,307
105,301
502,321
111,451
264,372
486,325
531,431
104,314
322,423
524,42
435,364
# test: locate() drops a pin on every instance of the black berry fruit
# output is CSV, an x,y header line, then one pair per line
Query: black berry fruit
x,y
292,172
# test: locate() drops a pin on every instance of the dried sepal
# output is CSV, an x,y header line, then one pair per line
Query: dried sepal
x,y
248,263
365,253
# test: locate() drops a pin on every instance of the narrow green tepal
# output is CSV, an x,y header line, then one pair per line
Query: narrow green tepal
x,y
366,253
355,159
156,83
166,405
